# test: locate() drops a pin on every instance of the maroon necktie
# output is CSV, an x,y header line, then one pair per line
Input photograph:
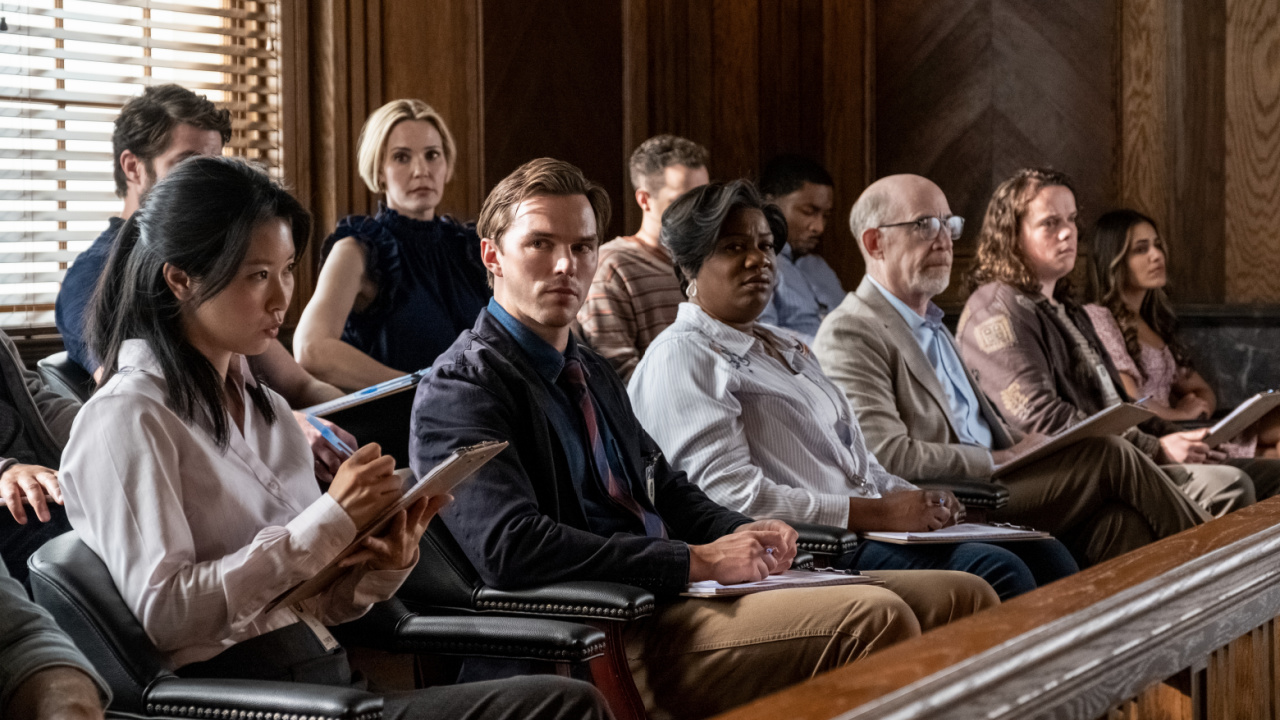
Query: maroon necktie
x,y
575,384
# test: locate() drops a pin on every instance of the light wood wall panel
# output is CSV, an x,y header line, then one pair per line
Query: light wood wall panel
x,y
1253,150
1145,179
1171,117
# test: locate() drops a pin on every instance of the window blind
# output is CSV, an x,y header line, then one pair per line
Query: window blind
x,y
66,68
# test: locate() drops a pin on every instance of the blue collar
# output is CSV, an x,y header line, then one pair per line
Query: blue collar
x,y
546,360
933,315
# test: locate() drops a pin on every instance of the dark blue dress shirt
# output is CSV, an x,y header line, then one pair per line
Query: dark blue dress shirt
x,y
604,516
72,306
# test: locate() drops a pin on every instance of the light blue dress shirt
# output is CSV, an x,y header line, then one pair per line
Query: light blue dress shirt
x,y
796,305
935,341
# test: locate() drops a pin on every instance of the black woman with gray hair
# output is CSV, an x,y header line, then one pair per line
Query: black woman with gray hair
x,y
745,410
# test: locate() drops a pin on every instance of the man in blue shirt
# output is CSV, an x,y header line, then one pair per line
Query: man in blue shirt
x,y
925,418
583,493
808,288
155,131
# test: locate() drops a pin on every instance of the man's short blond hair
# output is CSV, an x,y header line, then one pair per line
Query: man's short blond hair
x,y
376,130
543,176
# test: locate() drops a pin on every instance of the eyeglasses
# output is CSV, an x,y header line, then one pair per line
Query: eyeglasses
x,y
928,227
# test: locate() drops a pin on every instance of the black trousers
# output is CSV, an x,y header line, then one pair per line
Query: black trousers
x,y
294,654
18,542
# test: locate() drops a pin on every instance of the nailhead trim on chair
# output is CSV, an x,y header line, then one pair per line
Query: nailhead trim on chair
x,y
551,608
472,648
827,548
195,711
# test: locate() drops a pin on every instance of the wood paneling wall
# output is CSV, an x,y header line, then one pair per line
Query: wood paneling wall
x,y
1199,118
1252,185
1171,106
969,92
751,79
552,86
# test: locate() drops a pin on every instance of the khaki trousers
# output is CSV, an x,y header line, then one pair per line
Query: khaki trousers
x,y
697,657
1217,489
1101,497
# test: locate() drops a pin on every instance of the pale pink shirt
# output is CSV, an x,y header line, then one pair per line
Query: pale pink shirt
x,y
197,539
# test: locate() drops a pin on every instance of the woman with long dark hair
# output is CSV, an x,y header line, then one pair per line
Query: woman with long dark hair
x,y
179,474
1136,324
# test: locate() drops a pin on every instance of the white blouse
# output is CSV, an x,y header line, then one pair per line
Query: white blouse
x,y
754,435
197,539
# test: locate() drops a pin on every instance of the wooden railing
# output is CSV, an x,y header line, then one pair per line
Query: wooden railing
x,y
1183,628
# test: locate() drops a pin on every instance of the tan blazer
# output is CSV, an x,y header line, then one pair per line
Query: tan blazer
x,y
867,349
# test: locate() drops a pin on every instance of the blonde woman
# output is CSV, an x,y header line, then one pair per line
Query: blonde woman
x,y
397,288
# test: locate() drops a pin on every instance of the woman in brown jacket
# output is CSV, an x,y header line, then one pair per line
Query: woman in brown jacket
x,y
1034,351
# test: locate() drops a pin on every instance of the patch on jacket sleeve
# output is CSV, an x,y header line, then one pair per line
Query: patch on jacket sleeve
x,y
1016,402
995,334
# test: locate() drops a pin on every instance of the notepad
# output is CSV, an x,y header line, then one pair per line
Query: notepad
x,y
1247,413
1111,421
964,532
373,392
441,480
782,581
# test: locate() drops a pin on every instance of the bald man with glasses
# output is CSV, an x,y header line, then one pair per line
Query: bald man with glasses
x,y
925,417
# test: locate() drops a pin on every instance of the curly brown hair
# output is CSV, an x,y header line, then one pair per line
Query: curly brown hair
x,y
1000,257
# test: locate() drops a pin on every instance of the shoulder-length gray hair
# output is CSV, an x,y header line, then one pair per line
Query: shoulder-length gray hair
x,y
692,223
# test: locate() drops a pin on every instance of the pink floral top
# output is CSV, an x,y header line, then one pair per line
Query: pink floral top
x,y
1159,370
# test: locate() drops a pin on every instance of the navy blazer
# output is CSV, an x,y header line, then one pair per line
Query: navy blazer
x,y
520,520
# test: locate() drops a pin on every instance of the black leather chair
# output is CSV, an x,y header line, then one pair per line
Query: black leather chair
x,y
445,580
65,377
70,581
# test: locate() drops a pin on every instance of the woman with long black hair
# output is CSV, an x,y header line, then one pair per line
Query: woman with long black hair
x,y
202,504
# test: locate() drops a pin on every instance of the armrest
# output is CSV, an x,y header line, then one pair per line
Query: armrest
x,y
984,494
520,638
825,539
391,627
182,697
575,600
803,561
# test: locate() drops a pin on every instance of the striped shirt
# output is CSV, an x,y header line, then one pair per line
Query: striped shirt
x,y
763,437
633,297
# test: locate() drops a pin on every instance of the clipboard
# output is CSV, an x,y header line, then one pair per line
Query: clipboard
x,y
360,397
964,532
1246,413
379,413
1111,421
442,479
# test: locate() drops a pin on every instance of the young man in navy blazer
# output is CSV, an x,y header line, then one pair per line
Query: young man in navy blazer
x,y
582,493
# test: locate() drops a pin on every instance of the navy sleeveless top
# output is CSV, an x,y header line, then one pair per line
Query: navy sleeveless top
x,y
431,286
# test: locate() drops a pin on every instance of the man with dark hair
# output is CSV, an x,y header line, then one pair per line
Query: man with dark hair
x,y
807,286
154,132
583,493
635,292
